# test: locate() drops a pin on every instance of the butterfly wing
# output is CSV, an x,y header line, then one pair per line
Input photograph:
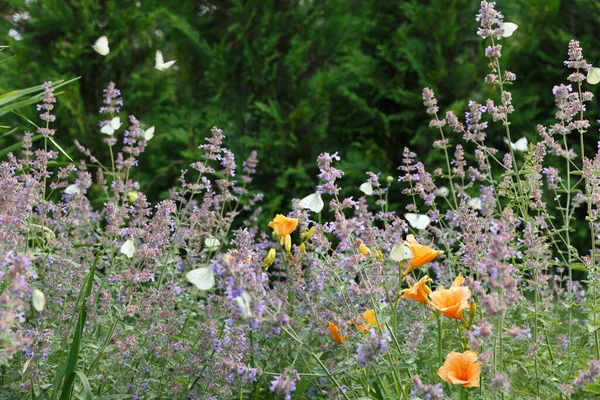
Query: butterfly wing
x,y
115,123
38,300
212,243
401,252
159,60
366,188
203,278
168,64
313,202
509,28
128,248
101,46
521,144
243,302
149,134
417,221
72,189
107,129
593,76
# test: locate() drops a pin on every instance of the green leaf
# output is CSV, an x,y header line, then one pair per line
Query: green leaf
x,y
592,388
86,385
578,267
68,369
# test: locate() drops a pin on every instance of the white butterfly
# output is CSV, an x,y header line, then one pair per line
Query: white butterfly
x,y
128,248
313,202
366,188
519,145
509,28
475,203
160,63
243,302
149,134
101,46
112,126
593,76
212,243
417,221
38,300
401,252
203,278
72,189
443,191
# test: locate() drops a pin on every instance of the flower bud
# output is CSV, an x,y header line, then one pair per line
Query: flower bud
x,y
302,248
269,259
472,310
287,243
306,235
364,249
389,179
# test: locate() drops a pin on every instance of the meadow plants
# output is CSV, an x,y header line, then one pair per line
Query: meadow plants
x,y
477,289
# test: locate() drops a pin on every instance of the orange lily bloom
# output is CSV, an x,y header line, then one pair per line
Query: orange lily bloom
x,y
461,369
335,333
421,254
419,291
370,319
283,225
451,302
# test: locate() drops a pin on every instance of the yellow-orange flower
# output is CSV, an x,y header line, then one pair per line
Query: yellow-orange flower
x,y
335,333
421,254
461,369
370,319
419,291
451,302
283,225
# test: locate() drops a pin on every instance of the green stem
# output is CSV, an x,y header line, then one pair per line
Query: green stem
x,y
440,338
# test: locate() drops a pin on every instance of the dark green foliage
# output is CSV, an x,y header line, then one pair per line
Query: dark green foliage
x,y
288,78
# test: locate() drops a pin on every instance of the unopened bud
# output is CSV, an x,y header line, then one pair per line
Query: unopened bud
x,y
287,243
389,179
269,259
472,310
364,249
306,235
302,248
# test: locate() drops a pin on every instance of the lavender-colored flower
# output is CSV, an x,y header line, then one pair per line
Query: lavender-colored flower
x,y
47,105
589,375
427,392
369,352
285,383
500,383
112,100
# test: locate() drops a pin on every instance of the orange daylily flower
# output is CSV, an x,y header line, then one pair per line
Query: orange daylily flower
x,y
335,333
370,319
451,302
461,369
421,254
419,291
283,225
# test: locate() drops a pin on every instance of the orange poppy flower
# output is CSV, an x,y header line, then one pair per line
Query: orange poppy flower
x,y
419,291
283,225
335,333
451,302
461,369
421,254
370,319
